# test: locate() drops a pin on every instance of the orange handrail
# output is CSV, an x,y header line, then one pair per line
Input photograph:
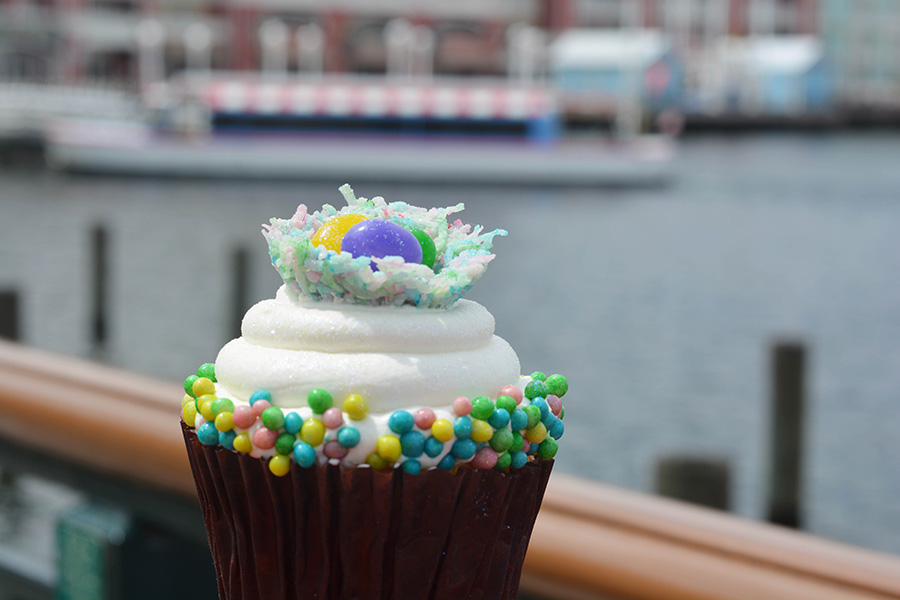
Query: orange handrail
x,y
591,540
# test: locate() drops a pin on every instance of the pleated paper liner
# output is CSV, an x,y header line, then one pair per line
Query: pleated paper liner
x,y
329,533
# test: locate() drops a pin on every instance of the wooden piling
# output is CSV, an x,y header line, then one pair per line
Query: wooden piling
x,y
703,480
99,267
786,445
9,315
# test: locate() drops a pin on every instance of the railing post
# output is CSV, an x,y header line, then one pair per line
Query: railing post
x,y
239,299
99,285
786,458
9,315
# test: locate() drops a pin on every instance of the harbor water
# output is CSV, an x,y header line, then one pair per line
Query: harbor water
x,y
660,305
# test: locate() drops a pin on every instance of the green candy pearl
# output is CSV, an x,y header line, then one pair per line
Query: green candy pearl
x,y
534,415
221,405
536,389
504,460
207,370
538,376
189,385
506,403
562,413
548,448
319,400
517,442
482,408
285,443
557,385
273,418
502,440
429,251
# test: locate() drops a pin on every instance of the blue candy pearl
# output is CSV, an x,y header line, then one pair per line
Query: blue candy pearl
x,y
208,434
412,466
412,444
226,439
543,406
462,427
348,437
293,422
447,462
519,420
558,429
519,459
464,449
433,447
533,448
549,420
260,395
499,419
304,454
400,422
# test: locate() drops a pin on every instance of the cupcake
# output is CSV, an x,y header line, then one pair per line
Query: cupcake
x,y
368,436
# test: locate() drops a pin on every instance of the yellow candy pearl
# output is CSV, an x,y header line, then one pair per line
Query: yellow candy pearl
x,y
204,405
243,443
203,386
481,431
225,421
189,414
356,407
188,399
388,448
313,431
442,430
376,462
332,231
536,434
280,465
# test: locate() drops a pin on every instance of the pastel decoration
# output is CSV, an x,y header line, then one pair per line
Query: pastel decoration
x,y
332,232
377,239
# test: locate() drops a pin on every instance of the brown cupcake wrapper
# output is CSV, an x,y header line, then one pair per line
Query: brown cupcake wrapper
x,y
329,533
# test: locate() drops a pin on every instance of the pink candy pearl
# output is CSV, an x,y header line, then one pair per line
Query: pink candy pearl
x,y
525,445
424,418
333,449
462,406
243,416
259,406
263,438
555,404
333,418
513,392
486,458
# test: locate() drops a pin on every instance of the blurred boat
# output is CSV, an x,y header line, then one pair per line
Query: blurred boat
x,y
223,125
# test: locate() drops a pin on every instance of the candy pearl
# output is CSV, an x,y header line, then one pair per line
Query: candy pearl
x,y
356,407
535,389
189,385
482,408
424,418
462,427
507,403
413,467
293,422
481,431
242,443
259,406
388,448
377,239
548,448
334,449
273,418
536,434
332,231
412,444
519,460
534,415
499,419
513,392
433,447
376,462
313,431
504,460
486,458
285,443
442,430
319,400
429,250
207,370
501,440
348,437
304,454
189,414
280,465
538,376
333,418
224,421
554,403
208,434
463,449
221,405
542,406
226,439
243,416
203,386
447,463
518,420
265,439
204,405
400,421
462,406
260,395
517,442
557,430
557,385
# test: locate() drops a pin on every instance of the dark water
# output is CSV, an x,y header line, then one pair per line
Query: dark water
x,y
659,305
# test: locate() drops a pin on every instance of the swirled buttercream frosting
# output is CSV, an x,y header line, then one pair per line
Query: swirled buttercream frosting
x,y
366,357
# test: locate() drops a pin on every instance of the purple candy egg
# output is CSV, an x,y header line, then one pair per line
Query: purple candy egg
x,y
378,239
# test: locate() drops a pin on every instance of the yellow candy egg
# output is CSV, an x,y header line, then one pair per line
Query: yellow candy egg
x,y
332,231
375,461
224,421
313,431
442,430
203,386
536,434
204,405
388,448
356,407
280,465
189,413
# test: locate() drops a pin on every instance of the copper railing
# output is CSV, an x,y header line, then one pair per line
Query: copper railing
x,y
591,540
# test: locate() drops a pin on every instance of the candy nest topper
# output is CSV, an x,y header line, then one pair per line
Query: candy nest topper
x,y
379,253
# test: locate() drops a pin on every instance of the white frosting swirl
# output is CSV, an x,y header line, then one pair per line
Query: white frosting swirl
x,y
394,356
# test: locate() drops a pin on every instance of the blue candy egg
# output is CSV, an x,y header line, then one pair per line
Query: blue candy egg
x,y
377,238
